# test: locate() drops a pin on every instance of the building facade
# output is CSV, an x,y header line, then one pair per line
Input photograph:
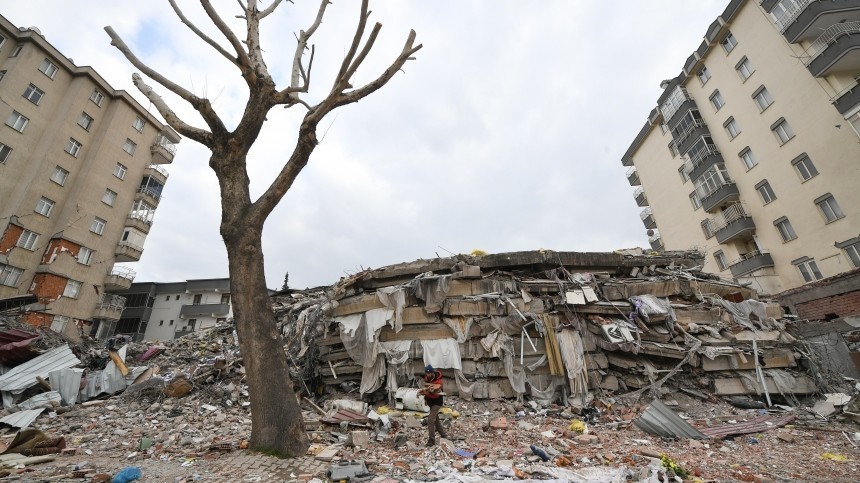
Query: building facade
x,y
165,311
80,179
752,154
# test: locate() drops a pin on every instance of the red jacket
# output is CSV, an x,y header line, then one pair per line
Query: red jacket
x,y
434,377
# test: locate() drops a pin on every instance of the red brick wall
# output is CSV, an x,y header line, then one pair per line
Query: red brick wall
x,y
48,287
38,319
842,305
10,238
58,244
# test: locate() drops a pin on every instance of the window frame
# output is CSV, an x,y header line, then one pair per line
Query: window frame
x,y
682,172
695,200
138,124
728,42
805,161
73,147
703,74
748,158
45,68
732,128
762,98
120,170
763,187
44,206
835,213
17,116
129,147
706,229
98,226
721,260
113,194
5,152
59,323
89,120
72,289
717,96
32,91
8,272
781,125
785,230
97,97
744,68
17,50
65,175
808,269
852,250
27,240
85,256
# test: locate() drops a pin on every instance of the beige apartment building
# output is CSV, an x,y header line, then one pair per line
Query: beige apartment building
x,y
752,154
80,179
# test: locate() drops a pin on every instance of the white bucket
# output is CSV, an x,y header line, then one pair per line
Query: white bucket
x,y
408,398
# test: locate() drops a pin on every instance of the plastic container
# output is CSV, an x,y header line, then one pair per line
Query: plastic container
x,y
408,398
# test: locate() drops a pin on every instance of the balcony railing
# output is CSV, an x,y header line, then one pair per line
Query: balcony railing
x,y
141,218
750,262
791,14
111,302
830,34
165,143
671,105
159,169
645,213
150,192
695,161
696,124
123,272
732,213
132,246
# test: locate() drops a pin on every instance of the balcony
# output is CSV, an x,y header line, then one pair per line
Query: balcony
x,y
162,150
128,252
671,105
655,241
691,134
835,50
807,18
120,278
725,193
847,99
648,218
750,262
156,172
733,223
204,310
703,160
148,195
109,307
633,176
639,196
138,222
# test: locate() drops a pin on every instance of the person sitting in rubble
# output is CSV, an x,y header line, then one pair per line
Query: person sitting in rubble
x,y
432,392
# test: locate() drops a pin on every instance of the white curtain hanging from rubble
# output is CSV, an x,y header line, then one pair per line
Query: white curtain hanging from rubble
x,y
741,312
543,387
653,309
442,353
397,355
393,298
430,288
573,356
359,333
460,325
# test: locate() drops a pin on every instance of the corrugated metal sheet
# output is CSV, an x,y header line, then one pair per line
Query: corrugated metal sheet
x,y
659,420
110,380
24,375
68,383
757,425
44,400
22,419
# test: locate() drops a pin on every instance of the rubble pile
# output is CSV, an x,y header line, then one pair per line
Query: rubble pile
x,y
553,326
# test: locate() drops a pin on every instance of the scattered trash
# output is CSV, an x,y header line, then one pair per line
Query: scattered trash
x,y
127,475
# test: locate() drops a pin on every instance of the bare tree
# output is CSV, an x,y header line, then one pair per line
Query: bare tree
x,y
276,417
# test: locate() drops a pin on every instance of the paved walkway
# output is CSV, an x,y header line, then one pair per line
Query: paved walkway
x,y
248,466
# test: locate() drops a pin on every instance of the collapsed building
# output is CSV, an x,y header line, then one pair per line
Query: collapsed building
x,y
553,326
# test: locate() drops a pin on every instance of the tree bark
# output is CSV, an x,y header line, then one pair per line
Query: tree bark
x,y
276,417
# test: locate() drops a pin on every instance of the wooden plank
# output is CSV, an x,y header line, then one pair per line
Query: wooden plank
x,y
734,386
771,359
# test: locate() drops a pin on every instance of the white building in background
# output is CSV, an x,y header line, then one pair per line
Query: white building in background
x,y
165,311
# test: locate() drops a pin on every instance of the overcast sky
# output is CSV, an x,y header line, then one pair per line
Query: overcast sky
x,y
505,134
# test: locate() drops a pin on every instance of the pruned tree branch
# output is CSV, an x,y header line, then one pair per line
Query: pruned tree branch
x,y
228,34
255,51
405,55
202,136
202,105
203,36
271,8
298,73
341,81
363,54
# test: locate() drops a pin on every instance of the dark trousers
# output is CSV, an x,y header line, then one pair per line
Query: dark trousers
x,y
433,421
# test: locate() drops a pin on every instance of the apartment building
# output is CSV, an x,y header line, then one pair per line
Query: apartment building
x,y
752,153
80,180
165,311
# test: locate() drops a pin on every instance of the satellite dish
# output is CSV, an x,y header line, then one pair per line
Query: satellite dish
x,y
650,232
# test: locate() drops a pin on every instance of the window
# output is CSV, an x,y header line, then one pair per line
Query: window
x,y
161,322
97,97
732,127
673,149
48,68
786,231
748,159
682,172
59,176
765,191
225,298
166,299
171,322
782,131
17,50
10,275
804,167
829,208
744,68
781,9
33,94
129,146
192,323
721,260
694,199
762,98
73,147
703,75
5,151
177,297
85,121
44,206
717,100
851,248
85,256
109,197
27,240
73,289
17,121
706,229
808,269
2,74
197,299
98,226
138,124
59,323
664,128
119,171
2,40
728,42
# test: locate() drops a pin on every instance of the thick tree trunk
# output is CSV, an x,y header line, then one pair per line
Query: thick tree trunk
x,y
277,422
